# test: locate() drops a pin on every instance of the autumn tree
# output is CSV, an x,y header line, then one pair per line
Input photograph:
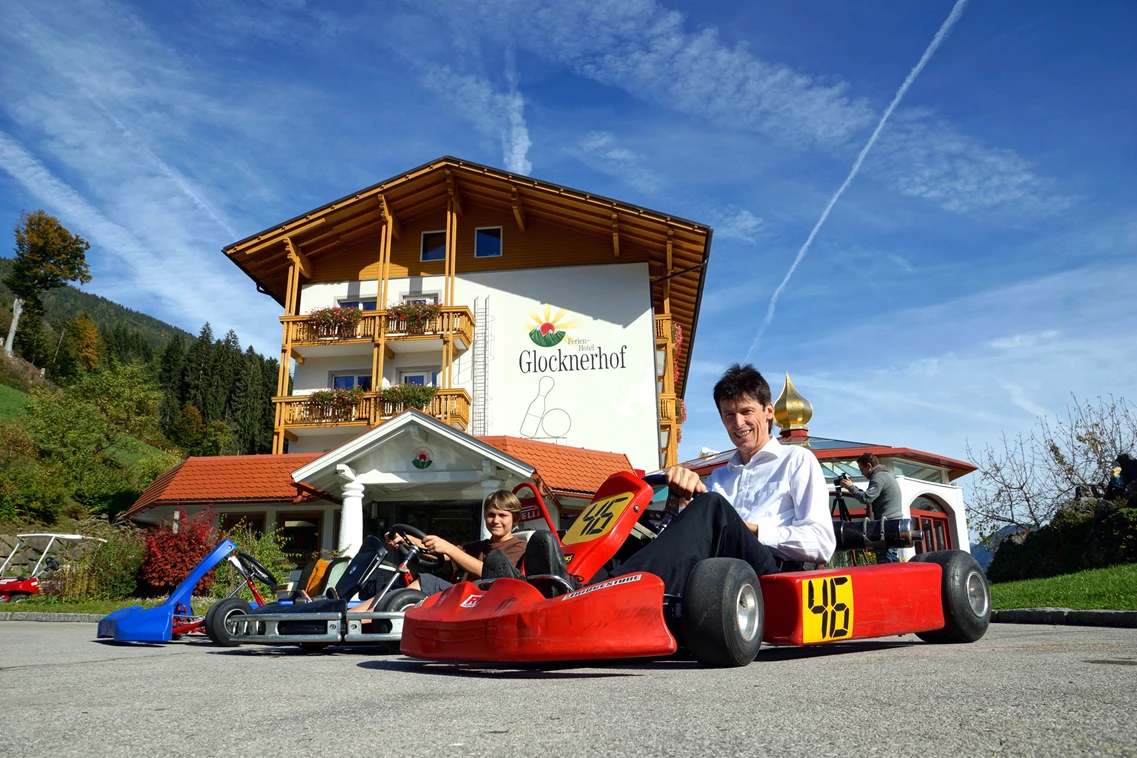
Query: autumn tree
x,y
47,257
1023,481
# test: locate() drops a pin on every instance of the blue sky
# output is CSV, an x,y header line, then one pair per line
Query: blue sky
x,y
978,269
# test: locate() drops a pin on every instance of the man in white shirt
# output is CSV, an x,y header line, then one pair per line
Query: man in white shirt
x,y
768,506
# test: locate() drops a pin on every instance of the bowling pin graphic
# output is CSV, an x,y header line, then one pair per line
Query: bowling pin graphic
x,y
531,423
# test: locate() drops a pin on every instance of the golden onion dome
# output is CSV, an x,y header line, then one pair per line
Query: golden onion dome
x,y
791,410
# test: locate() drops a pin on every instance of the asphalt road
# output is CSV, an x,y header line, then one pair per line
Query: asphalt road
x,y
1022,690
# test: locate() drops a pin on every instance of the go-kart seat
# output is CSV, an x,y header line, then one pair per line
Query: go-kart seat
x,y
335,599
311,579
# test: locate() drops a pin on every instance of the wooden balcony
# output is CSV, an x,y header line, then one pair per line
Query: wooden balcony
x,y
662,329
302,332
458,320
298,411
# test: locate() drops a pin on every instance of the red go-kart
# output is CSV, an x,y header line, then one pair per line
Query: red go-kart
x,y
722,617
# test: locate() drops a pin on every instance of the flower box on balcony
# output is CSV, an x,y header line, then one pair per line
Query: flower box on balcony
x,y
414,317
335,323
334,405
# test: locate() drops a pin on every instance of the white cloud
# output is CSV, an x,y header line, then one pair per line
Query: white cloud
x,y
649,52
499,115
739,224
599,150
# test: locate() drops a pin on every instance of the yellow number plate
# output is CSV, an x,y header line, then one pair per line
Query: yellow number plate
x,y
598,519
827,609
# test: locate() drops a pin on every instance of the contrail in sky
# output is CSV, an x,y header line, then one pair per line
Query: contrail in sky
x,y
956,12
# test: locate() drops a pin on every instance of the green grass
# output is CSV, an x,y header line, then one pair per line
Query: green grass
x,y
12,402
100,607
1113,588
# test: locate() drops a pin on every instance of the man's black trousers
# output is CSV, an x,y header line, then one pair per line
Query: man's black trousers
x,y
707,528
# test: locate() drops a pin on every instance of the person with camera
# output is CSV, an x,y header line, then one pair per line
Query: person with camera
x,y
881,498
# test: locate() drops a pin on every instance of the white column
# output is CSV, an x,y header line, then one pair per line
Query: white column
x,y
488,486
351,519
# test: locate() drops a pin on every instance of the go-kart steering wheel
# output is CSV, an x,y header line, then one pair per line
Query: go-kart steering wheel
x,y
257,570
422,559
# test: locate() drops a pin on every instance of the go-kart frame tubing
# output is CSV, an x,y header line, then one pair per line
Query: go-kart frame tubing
x,y
187,623
339,627
540,503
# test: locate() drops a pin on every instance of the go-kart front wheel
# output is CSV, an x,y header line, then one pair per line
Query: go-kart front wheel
x,y
398,601
219,620
722,612
965,595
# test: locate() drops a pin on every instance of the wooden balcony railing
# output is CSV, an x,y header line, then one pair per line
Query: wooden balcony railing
x,y
299,410
667,414
450,406
457,319
301,330
662,329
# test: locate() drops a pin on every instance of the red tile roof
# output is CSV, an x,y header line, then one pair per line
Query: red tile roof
x,y
572,471
564,470
227,479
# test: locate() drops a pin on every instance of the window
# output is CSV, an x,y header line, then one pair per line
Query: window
x,y
349,381
363,304
433,246
419,377
430,298
916,471
487,242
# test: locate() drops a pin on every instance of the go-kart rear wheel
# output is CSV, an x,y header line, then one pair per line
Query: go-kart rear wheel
x,y
219,620
398,601
965,595
722,612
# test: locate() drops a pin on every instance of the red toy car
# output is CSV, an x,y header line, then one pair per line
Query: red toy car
x,y
722,618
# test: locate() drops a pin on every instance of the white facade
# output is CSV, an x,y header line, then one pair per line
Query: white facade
x,y
594,388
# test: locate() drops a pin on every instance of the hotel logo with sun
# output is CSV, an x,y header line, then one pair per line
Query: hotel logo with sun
x,y
549,330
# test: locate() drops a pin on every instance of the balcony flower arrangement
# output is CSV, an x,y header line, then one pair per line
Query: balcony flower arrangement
x,y
403,396
334,322
335,404
414,316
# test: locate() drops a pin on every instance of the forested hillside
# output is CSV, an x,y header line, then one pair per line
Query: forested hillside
x,y
68,302
113,399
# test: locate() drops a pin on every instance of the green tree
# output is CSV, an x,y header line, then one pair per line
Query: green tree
x,y
171,373
85,429
248,416
47,256
198,366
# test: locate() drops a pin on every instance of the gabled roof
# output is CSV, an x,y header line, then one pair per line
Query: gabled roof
x,y
228,479
572,471
332,227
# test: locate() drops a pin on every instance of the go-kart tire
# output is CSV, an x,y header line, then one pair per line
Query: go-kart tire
x,y
219,614
965,595
398,601
722,612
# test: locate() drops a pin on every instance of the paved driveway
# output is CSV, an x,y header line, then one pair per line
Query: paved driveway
x,y
1022,690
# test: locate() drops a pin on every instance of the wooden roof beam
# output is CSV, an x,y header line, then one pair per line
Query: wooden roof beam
x,y
297,256
453,191
615,234
291,232
389,217
518,210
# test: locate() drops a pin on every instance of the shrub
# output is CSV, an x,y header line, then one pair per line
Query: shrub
x,y
266,548
170,555
104,571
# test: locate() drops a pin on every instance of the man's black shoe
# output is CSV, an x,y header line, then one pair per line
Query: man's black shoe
x,y
543,557
497,566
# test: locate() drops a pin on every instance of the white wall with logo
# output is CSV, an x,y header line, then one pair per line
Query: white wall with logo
x,y
587,381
